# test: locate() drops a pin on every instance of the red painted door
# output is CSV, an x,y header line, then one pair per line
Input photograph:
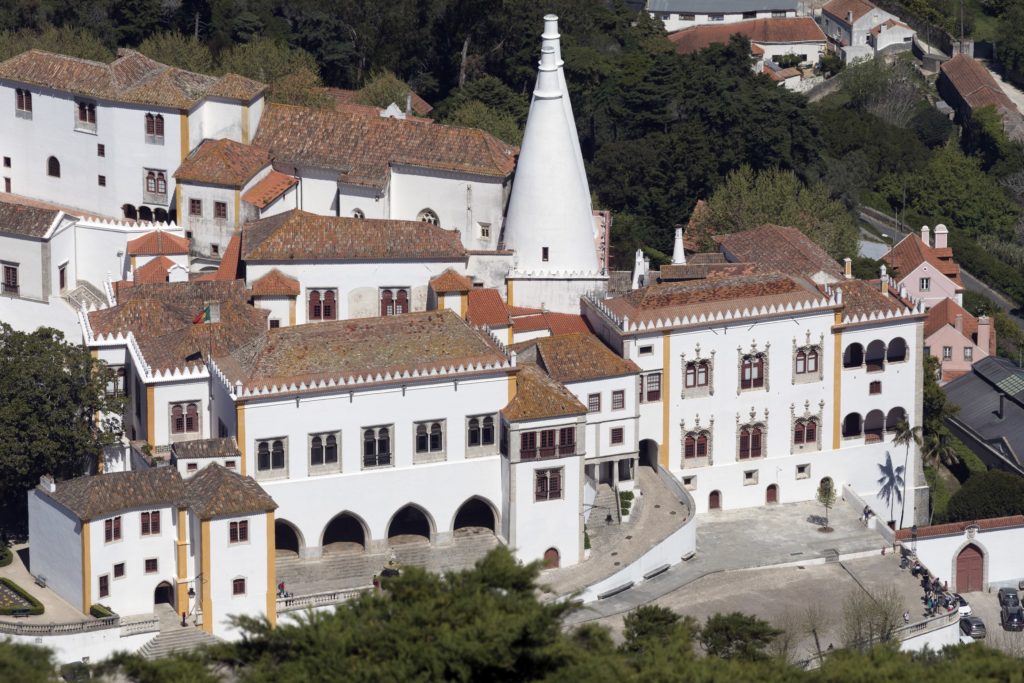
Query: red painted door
x,y
969,565
772,494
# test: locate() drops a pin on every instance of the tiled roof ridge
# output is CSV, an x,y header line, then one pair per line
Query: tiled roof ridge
x,y
954,528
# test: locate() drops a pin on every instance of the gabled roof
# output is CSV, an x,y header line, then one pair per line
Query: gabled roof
x,y
451,281
102,495
973,82
760,31
155,270
839,9
156,243
230,267
554,323
945,313
579,357
222,162
1003,374
363,148
272,186
912,252
783,249
864,297
538,396
361,347
275,283
299,235
30,221
132,78
485,307
215,491
202,449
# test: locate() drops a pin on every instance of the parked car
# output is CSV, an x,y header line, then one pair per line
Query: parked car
x,y
962,605
973,627
1008,598
1012,618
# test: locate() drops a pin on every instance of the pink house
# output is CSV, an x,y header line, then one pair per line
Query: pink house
x,y
927,271
957,339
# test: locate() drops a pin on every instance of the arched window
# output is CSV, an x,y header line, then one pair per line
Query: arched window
x,y
805,432
893,418
752,372
161,183
421,439
807,361
755,442
896,351
853,356
436,437
358,213
160,215
316,451
330,310
702,445
852,425
428,216
331,450
263,456
474,432
801,362
314,305
277,455
192,418
177,420
874,356
812,360
129,212
690,447
145,213
369,443
151,182
695,445
158,129
402,301
697,374
150,124
487,435
53,167
383,441
750,442
387,305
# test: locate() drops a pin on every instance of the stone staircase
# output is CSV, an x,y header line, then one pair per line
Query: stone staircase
x,y
174,637
86,293
606,501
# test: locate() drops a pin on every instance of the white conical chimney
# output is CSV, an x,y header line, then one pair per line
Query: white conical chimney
x,y
552,38
549,223
678,253
639,270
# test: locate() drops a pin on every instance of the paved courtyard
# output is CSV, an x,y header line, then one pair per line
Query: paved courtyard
x,y
750,538
986,606
786,596
55,608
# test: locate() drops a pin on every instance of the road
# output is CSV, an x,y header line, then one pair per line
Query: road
x,y
971,283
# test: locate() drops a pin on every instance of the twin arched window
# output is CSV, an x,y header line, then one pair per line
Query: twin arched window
x,y
429,437
376,447
752,371
154,125
697,373
751,441
805,432
270,455
481,431
807,361
695,445
156,182
184,418
322,305
394,302
323,450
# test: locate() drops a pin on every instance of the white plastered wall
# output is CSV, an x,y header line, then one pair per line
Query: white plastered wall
x,y
56,546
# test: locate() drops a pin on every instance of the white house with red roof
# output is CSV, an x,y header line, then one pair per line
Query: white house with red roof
x,y
860,29
682,14
926,268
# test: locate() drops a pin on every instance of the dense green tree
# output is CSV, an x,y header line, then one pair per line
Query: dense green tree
x,y
737,636
50,392
26,663
987,494
266,60
1010,40
384,89
476,114
984,138
184,52
650,626
747,199
301,87
498,97
76,42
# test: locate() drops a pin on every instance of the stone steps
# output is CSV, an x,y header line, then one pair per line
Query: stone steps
x,y
606,501
182,639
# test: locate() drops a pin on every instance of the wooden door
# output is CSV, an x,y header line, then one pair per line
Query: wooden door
x,y
772,494
715,501
551,558
969,570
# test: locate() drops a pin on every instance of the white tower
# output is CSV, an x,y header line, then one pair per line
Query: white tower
x,y
678,251
549,223
551,38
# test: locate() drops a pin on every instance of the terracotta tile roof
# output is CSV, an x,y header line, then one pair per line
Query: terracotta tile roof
x,y
132,78
771,73
538,396
299,235
202,449
363,347
912,252
698,271
786,250
161,318
272,186
945,313
158,242
973,82
516,311
231,267
222,162
30,221
155,270
485,307
102,495
840,8
275,283
215,491
780,30
864,297
450,281
580,357
554,323
420,106
890,23
957,528
363,148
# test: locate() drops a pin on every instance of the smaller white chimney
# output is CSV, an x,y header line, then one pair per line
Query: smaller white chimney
x,y
849,18
958,322
639,274
678,253
885,281
47,483
408,103
848,268
925,236
941,235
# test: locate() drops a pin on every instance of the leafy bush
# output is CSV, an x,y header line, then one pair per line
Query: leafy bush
x,y
101,611
988,494
6,555
625,501
35,607
938,492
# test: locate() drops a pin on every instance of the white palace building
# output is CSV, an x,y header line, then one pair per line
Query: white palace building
x,y
349,386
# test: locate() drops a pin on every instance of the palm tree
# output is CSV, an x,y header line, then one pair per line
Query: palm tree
x,y
905,436
940,449
892,484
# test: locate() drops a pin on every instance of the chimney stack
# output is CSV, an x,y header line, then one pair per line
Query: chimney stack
x,y
678,252
1001,411
924,236
848,268
958,323
941,235
885,281
985,334
47,483
849,18
408,102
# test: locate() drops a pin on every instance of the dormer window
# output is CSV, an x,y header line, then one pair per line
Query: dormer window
x,y
86,119
154,129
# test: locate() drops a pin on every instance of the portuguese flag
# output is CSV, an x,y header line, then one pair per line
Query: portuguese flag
x,y
202,317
